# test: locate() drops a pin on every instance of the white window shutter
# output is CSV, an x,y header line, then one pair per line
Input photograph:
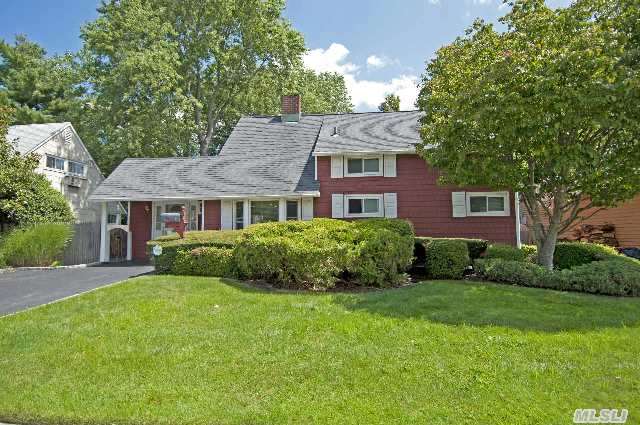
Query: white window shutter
x,y
390,205
336,167
337,205
226,215
459,203
307,208
390,166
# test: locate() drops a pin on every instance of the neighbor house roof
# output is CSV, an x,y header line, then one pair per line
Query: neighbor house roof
x,y
262,157
369,132
27,138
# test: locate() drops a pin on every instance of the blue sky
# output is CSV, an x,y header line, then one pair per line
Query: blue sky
x,y
379,45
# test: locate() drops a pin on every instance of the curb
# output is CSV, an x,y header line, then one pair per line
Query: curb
x,y
18,269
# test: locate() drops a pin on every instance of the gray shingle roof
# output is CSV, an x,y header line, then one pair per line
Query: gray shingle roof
x,y
262,157
26,138
369,132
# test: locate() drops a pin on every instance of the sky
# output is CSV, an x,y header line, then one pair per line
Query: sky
x,y
380,46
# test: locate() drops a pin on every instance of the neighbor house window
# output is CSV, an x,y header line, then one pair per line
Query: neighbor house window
x,y
292,210
366,166
264,211
488,203
76,168
55,163
363,206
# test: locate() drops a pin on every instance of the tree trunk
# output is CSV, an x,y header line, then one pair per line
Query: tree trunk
x,y
546,248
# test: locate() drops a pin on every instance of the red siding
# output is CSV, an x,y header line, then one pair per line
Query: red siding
x,y
212,215
140,222
420,199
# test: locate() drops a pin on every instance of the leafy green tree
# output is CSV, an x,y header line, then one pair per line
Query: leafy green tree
x,y
180,66
391,103
39,88
25,196
547,108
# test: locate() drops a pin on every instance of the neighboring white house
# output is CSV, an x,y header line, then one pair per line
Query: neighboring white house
x,y
64,160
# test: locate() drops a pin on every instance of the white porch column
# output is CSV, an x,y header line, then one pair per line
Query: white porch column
x,y
246,219
104,253
282,210
129,233
202,214
517,211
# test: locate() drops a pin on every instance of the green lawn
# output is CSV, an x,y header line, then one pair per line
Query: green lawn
x,y
173,350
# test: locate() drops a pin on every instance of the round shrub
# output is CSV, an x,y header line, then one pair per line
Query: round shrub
x,y
204,261
446,258
571,254
476,247
35,245
505,252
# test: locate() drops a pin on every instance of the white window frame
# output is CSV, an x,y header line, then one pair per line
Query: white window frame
x,y
380,171
504,213
380,212
57,158
84,168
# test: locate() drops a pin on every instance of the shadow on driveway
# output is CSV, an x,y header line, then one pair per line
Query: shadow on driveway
x,y
23,289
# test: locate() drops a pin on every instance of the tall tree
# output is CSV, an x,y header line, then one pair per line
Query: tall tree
x,y
25,196
391,103
38,87
174,69
548,108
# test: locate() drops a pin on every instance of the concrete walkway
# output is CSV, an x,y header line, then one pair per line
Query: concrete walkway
x,y
24,289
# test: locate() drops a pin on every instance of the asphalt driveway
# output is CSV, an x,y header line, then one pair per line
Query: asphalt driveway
x,y
23,289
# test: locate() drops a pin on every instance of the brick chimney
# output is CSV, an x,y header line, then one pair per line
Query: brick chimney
x,y
291,108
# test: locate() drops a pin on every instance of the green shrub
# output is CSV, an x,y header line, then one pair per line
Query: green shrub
x,y
383,252
35,245
172,244
476,247
505,252
610,277
204,261
571,254
530,253
320,252
446,259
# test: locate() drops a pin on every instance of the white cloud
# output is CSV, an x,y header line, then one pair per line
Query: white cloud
x,y
365,94
374,61
434,1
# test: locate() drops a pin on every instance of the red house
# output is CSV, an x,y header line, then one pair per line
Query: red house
x,y
296,167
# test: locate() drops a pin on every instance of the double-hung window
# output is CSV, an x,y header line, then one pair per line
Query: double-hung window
x,y
363,206
55,163
363,166
487,203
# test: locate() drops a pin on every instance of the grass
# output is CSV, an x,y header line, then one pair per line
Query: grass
x,y
174,350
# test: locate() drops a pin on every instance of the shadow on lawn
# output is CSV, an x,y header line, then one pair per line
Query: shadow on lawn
x,y
484,304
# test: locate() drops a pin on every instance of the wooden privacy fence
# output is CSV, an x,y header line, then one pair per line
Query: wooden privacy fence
x,y
84,248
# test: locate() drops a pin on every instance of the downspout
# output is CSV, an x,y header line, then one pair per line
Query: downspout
x,y
202,215
517,211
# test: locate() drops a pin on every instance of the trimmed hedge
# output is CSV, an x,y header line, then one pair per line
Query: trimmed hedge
x,y
320,252
571,254
476,247
204,261
172,244
611,277
35,245
446,259
505,252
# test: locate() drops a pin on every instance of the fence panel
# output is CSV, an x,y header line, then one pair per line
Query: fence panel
x,y
84,248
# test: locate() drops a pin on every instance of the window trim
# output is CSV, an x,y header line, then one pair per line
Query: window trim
x,y
377,196
379,173
503,213
60,170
